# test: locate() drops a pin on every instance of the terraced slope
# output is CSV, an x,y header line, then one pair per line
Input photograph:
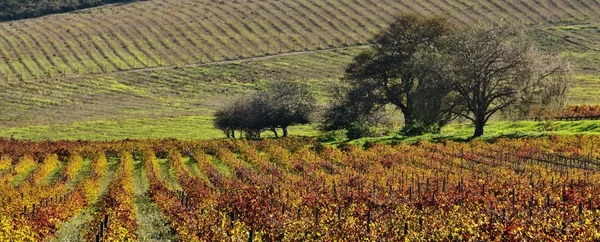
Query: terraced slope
x,y
180,32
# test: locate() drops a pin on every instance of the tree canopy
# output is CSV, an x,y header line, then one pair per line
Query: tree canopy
x,y
281,105
433,71
394,71
287,103
494,67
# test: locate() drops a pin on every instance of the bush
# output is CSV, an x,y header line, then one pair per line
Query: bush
x,y
414,130
328,137
359,129
547,126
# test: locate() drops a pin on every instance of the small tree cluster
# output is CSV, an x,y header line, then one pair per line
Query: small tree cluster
x,y
280,106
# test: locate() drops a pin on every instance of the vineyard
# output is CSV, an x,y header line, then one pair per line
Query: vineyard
x,y
168,92
165,33
581,112
299,189
158,69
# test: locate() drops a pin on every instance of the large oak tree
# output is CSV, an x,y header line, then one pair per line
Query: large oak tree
x,y
392,72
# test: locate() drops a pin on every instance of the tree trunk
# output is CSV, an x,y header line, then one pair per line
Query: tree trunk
x,y
408,120
275,132
253,134
232,134
479,124
408,110
285,131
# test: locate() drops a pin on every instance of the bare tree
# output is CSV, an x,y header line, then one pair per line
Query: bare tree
x,y
283,104
253,113
226,121
288,103
547,93
246,115
493,67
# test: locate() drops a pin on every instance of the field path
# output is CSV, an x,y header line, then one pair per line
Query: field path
x,y
195,170
152,223
242,60
74,229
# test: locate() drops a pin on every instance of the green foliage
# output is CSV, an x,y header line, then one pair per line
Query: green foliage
x,y
328,137
413,130
21,9
395,71
548,125
74,228
153,225
494,130
359,129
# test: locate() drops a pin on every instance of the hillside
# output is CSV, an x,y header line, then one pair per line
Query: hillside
x,y
159,92
174,62
179,32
